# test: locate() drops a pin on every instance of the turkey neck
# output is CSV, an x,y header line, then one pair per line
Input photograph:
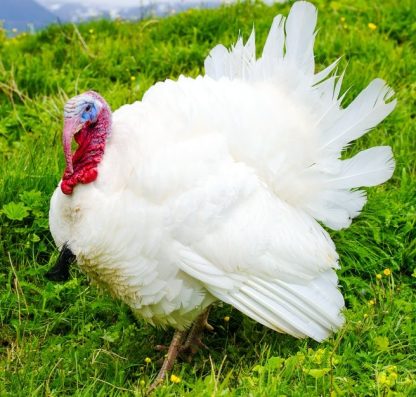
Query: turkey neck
x,y
91,140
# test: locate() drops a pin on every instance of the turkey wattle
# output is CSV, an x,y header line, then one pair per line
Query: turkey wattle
x,y
211,188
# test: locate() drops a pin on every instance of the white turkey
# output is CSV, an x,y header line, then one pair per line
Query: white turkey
x,y
214,188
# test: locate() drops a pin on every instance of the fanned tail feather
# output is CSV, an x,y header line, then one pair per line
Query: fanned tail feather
x,y
367,168
300,37
288,61
366,111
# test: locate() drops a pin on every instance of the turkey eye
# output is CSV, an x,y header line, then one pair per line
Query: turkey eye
x,y
88,108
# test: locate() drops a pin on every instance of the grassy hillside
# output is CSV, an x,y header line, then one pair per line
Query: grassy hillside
x,y
70,339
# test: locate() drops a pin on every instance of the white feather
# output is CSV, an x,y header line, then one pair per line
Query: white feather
x,y
369,167
365,112
273,48
300,36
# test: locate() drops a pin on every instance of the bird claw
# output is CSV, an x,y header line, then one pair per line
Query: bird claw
x,y
208,326
161,348
190,348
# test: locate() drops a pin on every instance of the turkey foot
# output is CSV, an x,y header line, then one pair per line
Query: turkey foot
x,y
185,344
193,340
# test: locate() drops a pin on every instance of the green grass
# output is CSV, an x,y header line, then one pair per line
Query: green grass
x,y
70,339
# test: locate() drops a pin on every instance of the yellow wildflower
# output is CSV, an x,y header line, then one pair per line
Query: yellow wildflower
x,y
378,276
175,379
365,315
147,360
226,319
91,31
318,356
132,78
342,19
387,272
142,383
385,380
371,302
372,26
382,378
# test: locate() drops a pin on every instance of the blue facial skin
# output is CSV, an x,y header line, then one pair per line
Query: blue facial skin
x,y
90,114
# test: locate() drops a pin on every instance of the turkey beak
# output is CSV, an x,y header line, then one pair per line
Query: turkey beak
x,y
71,126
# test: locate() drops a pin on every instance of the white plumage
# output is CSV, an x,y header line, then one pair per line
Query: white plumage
x,y
212,188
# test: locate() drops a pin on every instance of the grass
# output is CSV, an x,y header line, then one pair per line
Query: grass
x,y
71,339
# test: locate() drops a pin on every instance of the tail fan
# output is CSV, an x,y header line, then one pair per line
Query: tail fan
x,y
288,61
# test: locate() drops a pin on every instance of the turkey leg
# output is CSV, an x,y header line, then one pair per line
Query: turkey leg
x,y
193,340
185,344
170,358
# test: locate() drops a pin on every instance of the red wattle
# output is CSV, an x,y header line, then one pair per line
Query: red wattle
x,y
91,140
